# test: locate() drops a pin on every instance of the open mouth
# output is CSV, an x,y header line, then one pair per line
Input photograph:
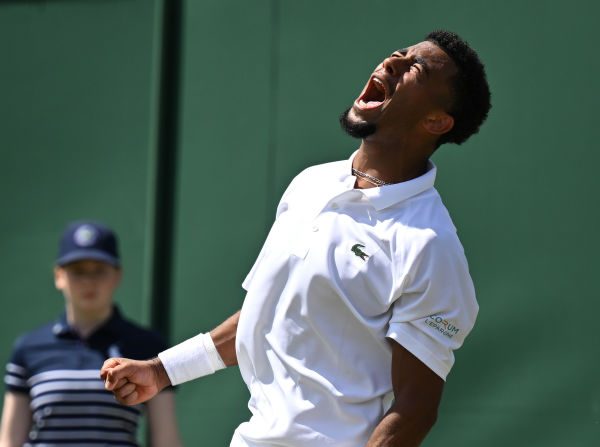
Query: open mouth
x,y
374,95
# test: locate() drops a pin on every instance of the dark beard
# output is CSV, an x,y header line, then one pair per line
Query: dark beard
x,y
356,130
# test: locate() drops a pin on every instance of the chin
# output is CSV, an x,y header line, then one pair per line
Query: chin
x,y
91,305
354,126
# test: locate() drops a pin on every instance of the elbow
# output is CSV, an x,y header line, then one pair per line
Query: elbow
x,y
417,419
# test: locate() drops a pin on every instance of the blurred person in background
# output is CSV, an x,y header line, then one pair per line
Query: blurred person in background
x,y
53,393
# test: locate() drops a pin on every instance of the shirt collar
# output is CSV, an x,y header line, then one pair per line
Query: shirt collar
x,y
63,329
386,196
345,176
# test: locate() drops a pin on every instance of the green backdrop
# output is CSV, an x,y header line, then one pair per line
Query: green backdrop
x,y
261,86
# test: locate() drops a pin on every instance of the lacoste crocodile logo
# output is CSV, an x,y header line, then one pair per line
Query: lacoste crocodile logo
x,y
356,249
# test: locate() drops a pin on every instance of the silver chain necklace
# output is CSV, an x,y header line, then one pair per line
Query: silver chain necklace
x,y
369,178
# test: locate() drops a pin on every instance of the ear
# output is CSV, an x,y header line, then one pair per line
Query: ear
x,y
59,278
438,123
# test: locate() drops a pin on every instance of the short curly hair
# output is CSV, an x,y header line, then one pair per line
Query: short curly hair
x,y
471,102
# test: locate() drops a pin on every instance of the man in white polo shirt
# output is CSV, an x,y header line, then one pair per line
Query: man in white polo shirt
x,y
361,291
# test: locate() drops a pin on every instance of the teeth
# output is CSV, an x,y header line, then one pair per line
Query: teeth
x,y
374,94
379,85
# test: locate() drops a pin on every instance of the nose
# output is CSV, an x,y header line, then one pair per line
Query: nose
x,y
395,65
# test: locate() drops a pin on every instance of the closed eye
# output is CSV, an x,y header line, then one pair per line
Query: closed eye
x,y
421,64
418,62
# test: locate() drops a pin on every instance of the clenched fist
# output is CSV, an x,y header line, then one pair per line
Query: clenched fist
x,y
134,381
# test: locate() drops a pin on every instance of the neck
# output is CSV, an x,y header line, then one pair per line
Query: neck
x,y
391,164
87,322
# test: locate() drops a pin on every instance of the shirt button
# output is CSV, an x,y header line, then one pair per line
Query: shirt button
x,y
47,411
315,227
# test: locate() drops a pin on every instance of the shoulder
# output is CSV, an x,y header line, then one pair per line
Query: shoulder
x,y
427,210
309,182
423,236
27,349
40,335
423,222
323,170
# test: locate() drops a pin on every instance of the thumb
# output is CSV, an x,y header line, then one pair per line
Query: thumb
x,y
108,365
114,371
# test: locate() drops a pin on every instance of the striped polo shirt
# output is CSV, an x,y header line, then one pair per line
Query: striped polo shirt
x,y
61,374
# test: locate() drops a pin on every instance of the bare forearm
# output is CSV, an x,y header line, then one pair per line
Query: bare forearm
x,y
223,337
16,420
402,429
417,394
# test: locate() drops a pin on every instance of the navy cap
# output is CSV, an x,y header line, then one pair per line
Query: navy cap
x,y
85,240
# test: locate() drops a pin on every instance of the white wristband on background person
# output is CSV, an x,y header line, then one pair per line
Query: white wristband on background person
x,y
193,358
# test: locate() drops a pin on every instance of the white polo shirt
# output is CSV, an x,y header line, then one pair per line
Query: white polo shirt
x,y
343,269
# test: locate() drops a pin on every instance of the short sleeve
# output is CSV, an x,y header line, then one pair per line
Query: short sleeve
x,y
436,306
16,375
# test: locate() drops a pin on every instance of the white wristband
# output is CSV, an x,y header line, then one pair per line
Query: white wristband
x,y
193,358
